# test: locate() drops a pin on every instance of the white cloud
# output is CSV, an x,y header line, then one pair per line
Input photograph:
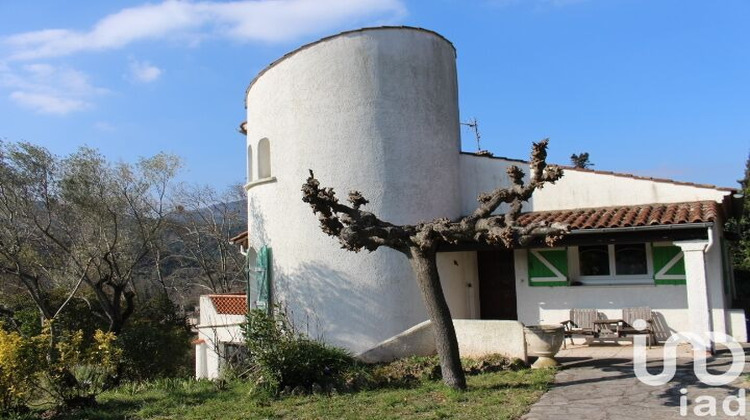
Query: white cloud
x,y
143,71
48,89
47,103
60,90
280,21
265,21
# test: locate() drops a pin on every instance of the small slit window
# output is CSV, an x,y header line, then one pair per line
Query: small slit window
x,y
249,163
264,159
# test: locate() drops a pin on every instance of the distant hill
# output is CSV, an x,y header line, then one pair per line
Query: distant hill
x,y
234,209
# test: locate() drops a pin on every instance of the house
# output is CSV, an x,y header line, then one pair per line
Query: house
x,y
376,110
220,337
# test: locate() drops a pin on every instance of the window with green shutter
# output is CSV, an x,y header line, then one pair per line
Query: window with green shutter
x,y
262,276
669,265
548,267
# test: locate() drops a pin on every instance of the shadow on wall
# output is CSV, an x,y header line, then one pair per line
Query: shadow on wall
x,y
328,304
319,299
257,224
323,304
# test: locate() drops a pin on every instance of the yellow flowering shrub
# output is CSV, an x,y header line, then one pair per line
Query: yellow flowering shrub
x,y
81,370
20,359
105,353
69,369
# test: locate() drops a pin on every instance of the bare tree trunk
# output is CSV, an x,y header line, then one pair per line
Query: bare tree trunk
x,y
424,264
357,229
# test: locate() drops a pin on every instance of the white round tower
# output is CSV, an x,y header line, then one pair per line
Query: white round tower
x,y
374,110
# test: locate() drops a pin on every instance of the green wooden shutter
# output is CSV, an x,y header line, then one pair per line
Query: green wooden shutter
x,y
263,278
548,267
669,265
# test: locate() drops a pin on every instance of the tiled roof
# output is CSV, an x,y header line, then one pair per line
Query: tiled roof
x,y
230,304
629,216
240,239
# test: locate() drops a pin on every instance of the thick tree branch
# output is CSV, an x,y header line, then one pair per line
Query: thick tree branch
x,y
356,229
72,292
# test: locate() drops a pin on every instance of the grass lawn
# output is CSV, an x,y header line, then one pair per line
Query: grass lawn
x,y
500,395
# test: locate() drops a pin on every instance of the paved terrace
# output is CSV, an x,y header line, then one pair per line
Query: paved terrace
x,y
598,382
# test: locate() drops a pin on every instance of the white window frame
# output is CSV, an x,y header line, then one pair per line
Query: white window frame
x,y
232,350
612,279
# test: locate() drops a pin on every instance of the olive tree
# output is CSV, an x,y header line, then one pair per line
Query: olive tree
x,y
26,182
80,220
581,160
201,253
357,229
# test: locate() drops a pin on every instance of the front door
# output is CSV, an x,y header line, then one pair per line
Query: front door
x,y
497,285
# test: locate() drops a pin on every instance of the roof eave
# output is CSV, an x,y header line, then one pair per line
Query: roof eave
x,y
680,226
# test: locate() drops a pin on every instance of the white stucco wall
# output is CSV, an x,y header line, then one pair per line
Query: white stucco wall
x,y
213,330
576,189
718,299
581,189
376,110
482,337
475,338
373,110
550,305
738,325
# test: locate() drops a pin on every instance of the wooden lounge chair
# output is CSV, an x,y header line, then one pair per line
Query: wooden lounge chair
x,y
630,315
581,322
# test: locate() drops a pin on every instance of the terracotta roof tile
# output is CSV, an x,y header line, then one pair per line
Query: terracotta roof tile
x,y
629,216
578,220
241,239
230,304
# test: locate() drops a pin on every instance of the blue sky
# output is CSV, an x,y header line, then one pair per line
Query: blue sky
x,y
652,87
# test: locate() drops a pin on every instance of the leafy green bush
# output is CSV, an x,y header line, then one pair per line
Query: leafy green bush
x,y
76,368
282,359
152,350
19,314
155,343
68,370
